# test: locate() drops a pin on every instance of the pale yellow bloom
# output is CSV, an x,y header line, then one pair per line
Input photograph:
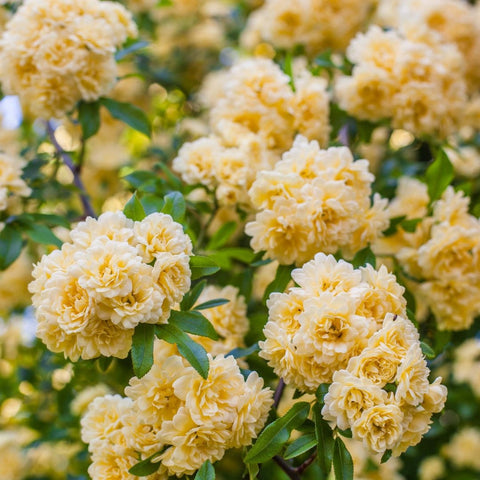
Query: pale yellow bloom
x,y
419,85
11,183
315,24
380,427
462,450
57,52
83,399
314,200
90,295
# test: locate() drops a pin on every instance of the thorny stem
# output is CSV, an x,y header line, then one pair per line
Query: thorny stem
x,y
278,392
67,160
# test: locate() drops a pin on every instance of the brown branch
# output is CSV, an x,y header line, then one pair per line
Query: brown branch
x,y
67,160
290,471
278,393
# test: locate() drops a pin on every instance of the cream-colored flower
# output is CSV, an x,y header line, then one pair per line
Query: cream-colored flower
x,y
348,397
412,377
315,24
113,225
254,118
153,394
104,420
11,183
466,367
14,284
462,450
57,52
432,468
419,84
316,328
83,399
378,365
380,427
314,200
382,296
158,233
90,295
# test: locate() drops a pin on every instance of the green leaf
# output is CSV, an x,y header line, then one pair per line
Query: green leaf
x,y
42,234
275,435
241,254
427,350
202,266
55,220
288,68
222,236
104,363
146,467
325,441
342,461
206,472
193,322
134,209
11,245
394,224
132,48
386,456
191,297
194,353
411,224
300,445
211,304
244,352
174,205
151,204
322,390
142,348
279,283
129,114
89,118
252,469
363,257
439,175
345,433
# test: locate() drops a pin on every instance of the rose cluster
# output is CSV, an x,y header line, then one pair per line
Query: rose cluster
x,y
314,200
420,86
175,413
114,274
254,117
54,53
314,329
384,395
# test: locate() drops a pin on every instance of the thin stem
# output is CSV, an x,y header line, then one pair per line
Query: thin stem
x,y
290,471
67,160
278,392
301,468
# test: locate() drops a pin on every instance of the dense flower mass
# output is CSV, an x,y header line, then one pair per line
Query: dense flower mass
x,y
176,413
449,21
57,52
384,394
316,328
442,254
314,200
420,86
11,183
113,275
253,120
315,24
